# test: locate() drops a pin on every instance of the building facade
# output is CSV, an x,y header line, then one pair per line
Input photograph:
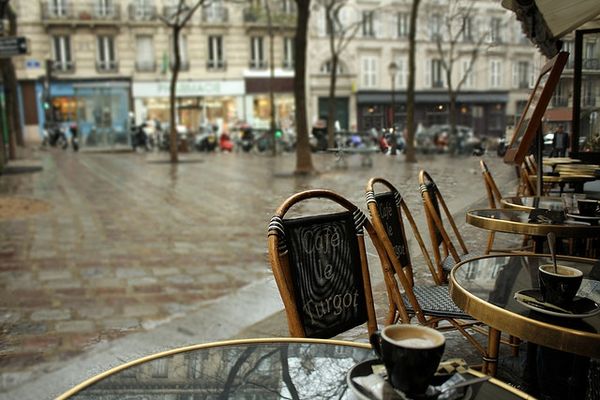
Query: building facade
x,y
111,60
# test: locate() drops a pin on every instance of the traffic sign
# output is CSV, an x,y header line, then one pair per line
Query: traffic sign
x,y
13,46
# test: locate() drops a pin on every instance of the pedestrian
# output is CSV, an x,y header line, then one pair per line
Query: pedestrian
x,y
560,142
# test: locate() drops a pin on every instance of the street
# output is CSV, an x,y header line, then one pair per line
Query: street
x,y
133,255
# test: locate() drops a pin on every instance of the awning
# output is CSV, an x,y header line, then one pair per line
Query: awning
x,y
558,114
546,21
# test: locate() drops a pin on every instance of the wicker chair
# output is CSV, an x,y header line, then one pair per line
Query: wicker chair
x,y
429,304
494,199
315,274
445,251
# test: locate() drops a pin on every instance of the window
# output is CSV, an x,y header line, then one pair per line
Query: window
x,y
467,72
402,24
160,368
288,6
105,8
521,74
368,27
402,76
144,53
369,72
215,53
495,73
589,50
257,60
215,12
435,26
437,74
61,49
327,66
142,9
58,8
467,32
496,30
105,53
183,58
288,53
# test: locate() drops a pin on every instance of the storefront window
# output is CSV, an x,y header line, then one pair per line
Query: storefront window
x,y
64,109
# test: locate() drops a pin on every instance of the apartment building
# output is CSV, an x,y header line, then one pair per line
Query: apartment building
x,y
112,59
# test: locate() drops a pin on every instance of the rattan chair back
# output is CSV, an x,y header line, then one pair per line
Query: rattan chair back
x,y
294,274
437,215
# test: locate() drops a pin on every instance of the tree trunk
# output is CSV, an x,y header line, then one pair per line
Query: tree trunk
x,y
304,163
272,81
331,106
172,111
9,107
410,91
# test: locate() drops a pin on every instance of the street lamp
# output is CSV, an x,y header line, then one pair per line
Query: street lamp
x,y
393,70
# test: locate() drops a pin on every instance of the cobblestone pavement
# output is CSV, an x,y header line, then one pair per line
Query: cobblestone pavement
x,y
137,255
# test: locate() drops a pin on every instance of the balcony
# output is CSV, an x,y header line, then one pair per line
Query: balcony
x,y
88,13
560,101
258,64
215,15
437,84
145,66
287,64
588,101
184,65
279,17
107,66
590,63
524,84
141,13
216,65
63,66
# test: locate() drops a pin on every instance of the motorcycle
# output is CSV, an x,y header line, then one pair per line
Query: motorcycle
x,y
206,142
57,137
225,142
139,138
247,140
501,150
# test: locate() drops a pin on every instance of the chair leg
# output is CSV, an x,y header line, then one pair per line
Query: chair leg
x,y
490,242
514,345
490,361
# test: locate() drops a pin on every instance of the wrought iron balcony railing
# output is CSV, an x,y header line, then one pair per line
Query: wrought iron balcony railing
x,y
560,101
258,16
184,65
215,15
107,66
258,64
57,11
216,64
142,12
145,66
63,66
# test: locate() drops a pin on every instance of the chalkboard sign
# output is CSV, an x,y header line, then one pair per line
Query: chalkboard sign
x,y
388,212
327,273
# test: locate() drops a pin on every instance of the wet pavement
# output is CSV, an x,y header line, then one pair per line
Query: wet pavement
x,y
137,255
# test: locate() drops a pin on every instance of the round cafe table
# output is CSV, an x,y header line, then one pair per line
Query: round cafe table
x,y
531,202
484,288
269,368
517,221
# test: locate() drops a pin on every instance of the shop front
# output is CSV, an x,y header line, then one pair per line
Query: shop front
x,y
99,108
198,103
258,100
485,112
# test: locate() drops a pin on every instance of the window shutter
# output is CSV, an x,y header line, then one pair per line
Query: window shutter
x,y
515,74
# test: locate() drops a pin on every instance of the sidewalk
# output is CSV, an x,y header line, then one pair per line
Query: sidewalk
x,y
137,256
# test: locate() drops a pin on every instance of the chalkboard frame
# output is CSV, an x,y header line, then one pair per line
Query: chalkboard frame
x,y
280,260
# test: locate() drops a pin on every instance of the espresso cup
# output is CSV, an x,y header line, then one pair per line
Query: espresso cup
x,y
559,288
588,207
411,354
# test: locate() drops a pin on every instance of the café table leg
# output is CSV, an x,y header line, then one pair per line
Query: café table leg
x,y
490,362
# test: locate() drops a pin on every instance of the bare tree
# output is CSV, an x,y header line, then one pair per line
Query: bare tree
x,y
410,90
457,43
340,36
176,22
304,163
9,78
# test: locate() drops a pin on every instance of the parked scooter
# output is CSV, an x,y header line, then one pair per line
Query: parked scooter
x,y
57,137
206,141
225,142
247,139
139,138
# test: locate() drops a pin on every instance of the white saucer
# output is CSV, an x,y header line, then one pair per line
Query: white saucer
x,y
583,217
594,308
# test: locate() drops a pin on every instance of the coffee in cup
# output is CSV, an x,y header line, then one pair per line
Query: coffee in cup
x,y
411,354
588,207
559,287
